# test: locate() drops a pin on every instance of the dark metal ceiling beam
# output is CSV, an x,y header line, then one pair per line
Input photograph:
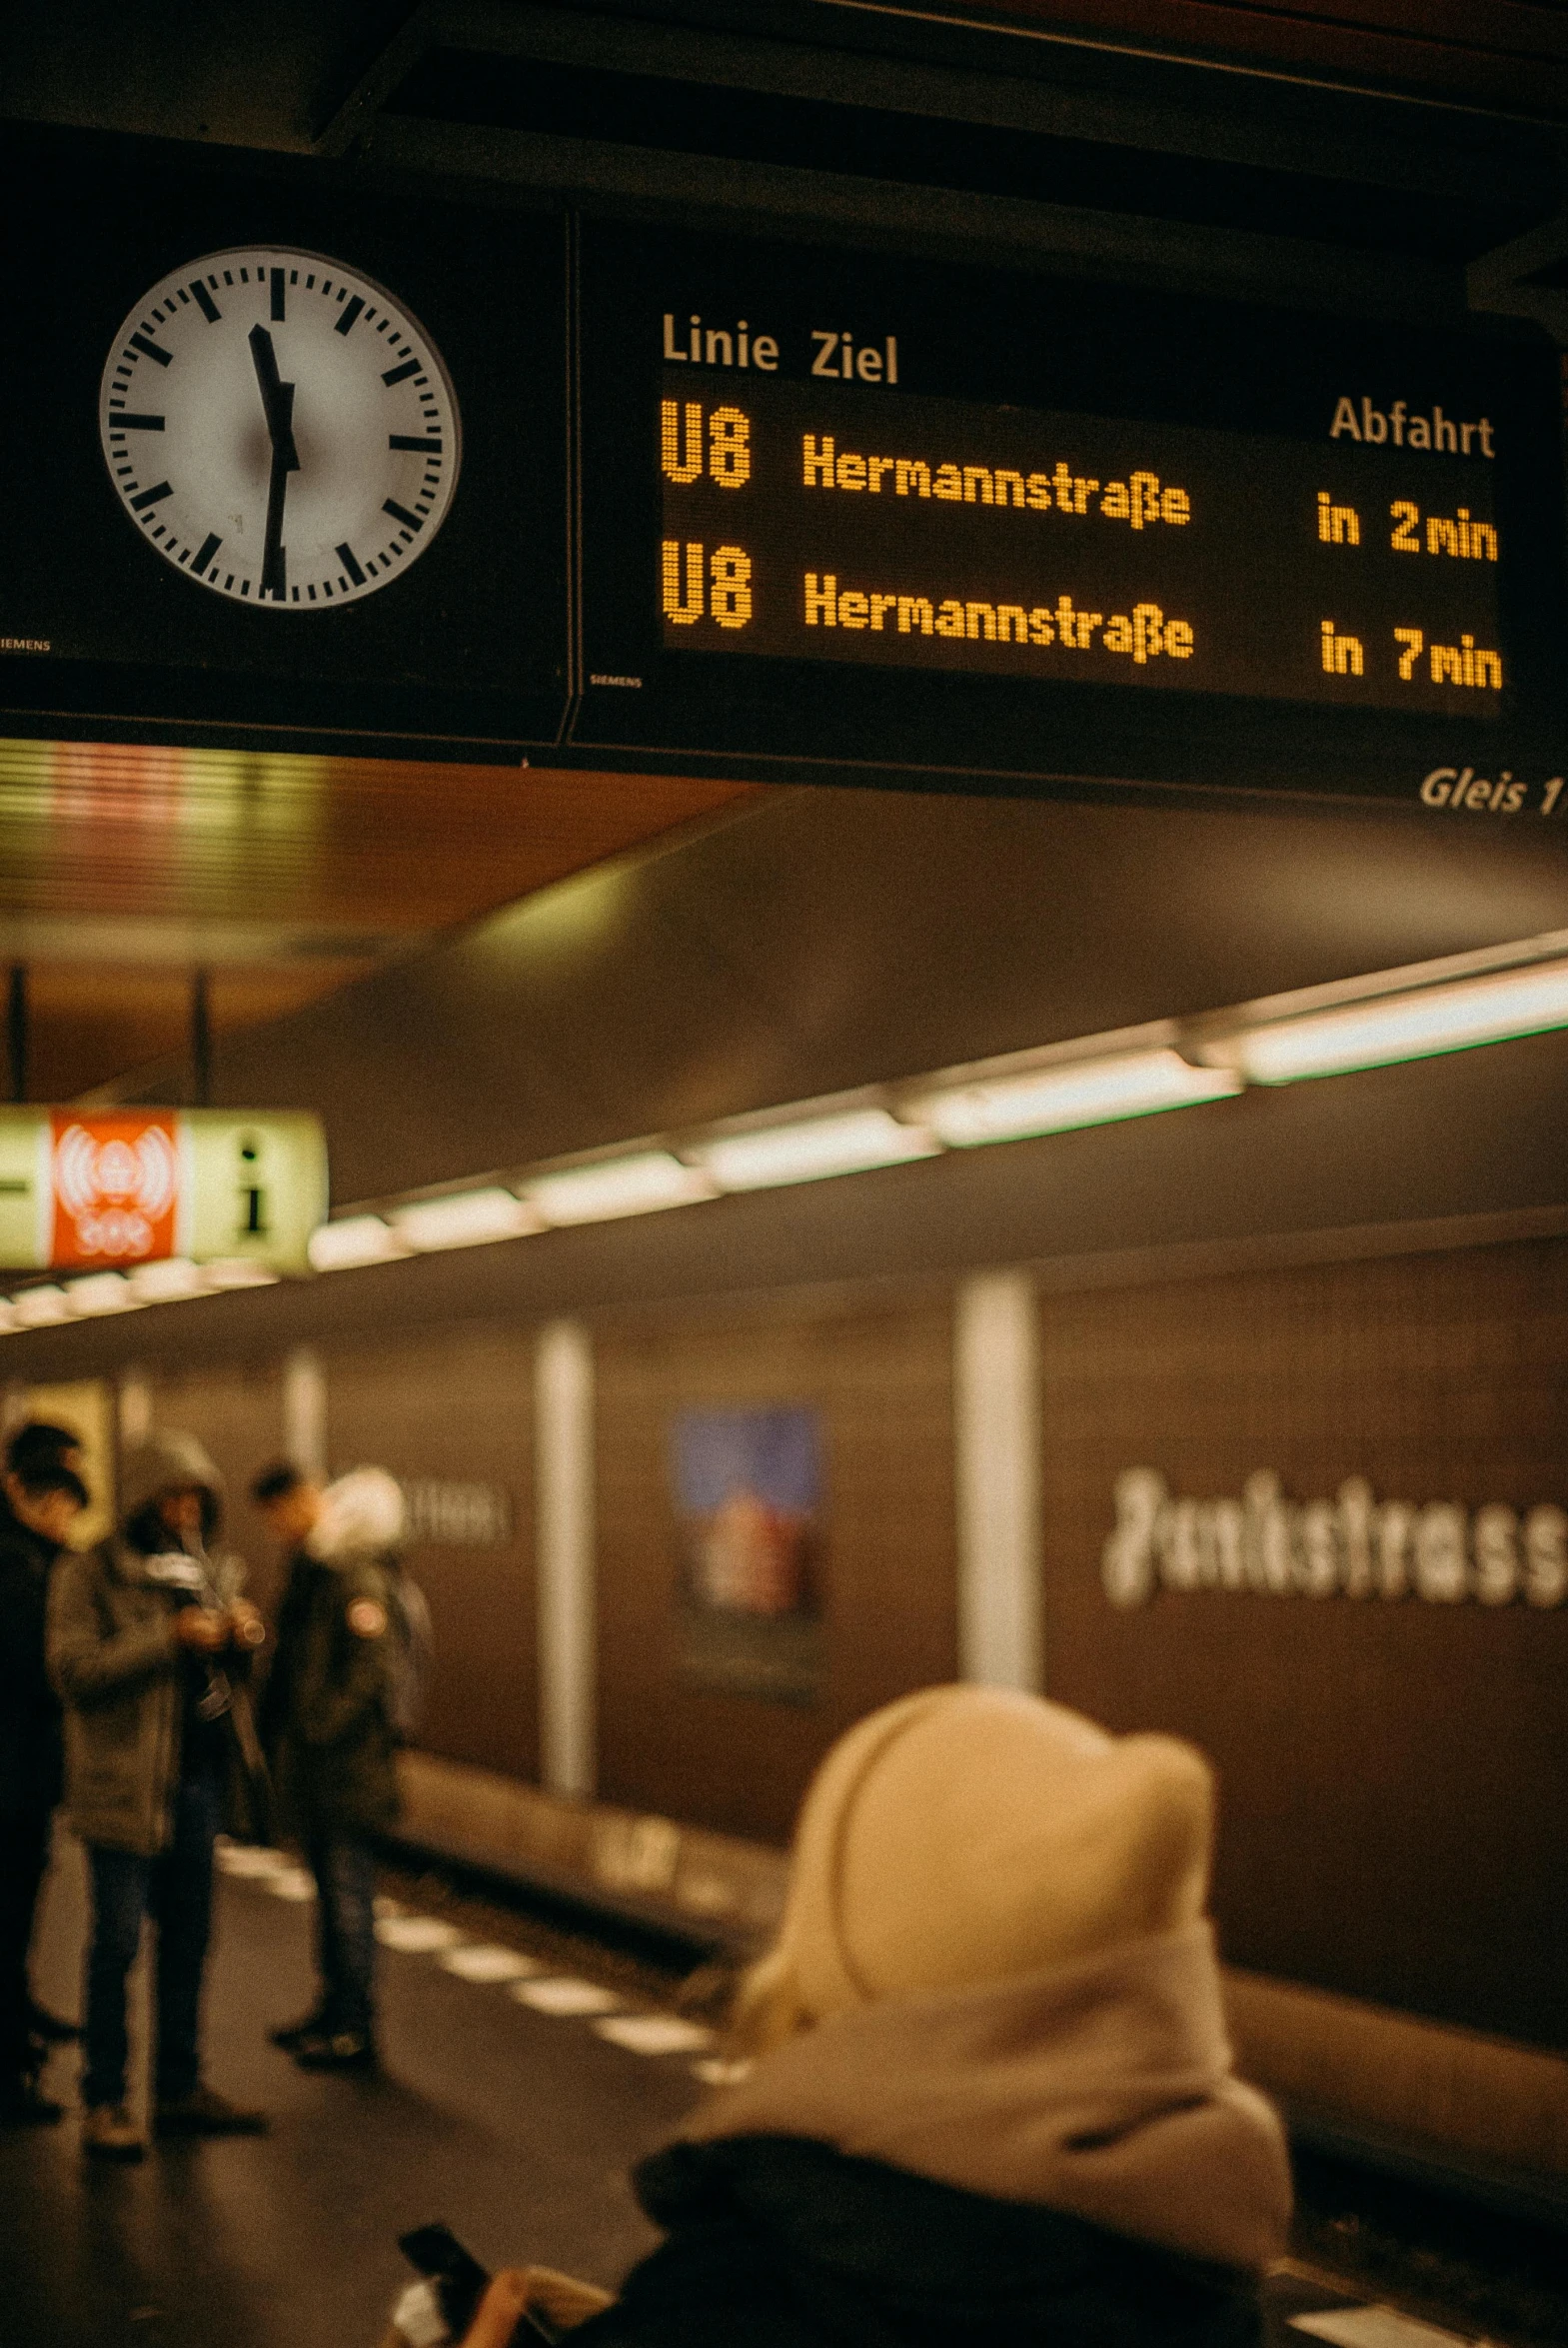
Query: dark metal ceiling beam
x,y
739,197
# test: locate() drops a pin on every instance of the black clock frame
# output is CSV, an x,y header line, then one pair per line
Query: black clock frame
x,y
468,654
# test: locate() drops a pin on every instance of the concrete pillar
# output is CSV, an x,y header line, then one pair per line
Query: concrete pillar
x,y
564,1519
996,1431
135,1406
304,1412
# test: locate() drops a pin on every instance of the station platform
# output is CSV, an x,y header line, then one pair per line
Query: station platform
x,y
525,2074
513,2125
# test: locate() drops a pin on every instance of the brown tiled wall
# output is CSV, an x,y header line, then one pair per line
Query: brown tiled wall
x,y
1394,1819
882,1382
456,1403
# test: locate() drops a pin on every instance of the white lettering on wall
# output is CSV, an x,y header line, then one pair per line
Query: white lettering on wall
x,y
457,1515
1351,1547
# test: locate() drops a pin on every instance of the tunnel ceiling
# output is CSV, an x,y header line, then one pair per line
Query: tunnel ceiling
x,y
819,941
123,870
1390,137
287,76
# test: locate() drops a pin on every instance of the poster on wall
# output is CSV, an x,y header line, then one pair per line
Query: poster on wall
x,y
748,1492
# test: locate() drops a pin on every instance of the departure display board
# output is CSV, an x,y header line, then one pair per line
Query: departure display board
x,y
1005,543
940,520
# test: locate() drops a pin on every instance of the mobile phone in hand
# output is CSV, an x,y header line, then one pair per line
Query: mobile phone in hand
x,y
461,2283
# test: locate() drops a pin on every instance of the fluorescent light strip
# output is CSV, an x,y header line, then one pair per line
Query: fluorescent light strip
x,y
811,1151
469,1218
358,1238
42,1307
1418,1025
236,1272
1059,1100
168,1281
1412,1023
645,1184
101,1291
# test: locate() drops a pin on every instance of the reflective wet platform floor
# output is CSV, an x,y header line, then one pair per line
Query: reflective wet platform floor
x,y
525,2074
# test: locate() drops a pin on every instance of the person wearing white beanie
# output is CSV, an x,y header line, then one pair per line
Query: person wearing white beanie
x,y
989,2097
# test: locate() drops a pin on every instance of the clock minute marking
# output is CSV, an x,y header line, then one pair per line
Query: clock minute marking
x,y
278,407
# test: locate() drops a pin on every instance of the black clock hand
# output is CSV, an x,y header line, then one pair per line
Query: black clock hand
x,y
277,399
278,407
274,576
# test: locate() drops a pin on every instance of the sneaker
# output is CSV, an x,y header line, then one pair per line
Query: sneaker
x,y
53,2029
110,2133
204,2112
22,2106
337,2050
288,2035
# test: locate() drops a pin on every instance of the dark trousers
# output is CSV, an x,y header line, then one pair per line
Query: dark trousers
x,y
345,1872
175,1890
24,1855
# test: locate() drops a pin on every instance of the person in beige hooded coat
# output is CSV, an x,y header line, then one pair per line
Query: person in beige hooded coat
x,y
989,2097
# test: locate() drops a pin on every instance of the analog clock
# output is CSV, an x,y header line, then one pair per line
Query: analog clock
x,y
279,428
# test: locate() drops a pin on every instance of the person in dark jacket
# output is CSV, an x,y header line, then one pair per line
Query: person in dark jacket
x,y
987,2098
147,1644
329,1727
38,1506
38,1443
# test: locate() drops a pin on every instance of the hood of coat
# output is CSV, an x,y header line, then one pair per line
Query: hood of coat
x,y
170,1461
1102,2089
968,1835
363,1514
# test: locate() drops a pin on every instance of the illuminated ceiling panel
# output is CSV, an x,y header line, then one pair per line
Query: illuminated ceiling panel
x,y
123,869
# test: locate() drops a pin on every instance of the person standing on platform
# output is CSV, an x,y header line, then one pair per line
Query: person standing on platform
x,y
146,1637
38,1507
332,1720
37,1443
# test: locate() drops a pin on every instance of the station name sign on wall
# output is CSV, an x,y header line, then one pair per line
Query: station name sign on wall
x,y
1352,1547
91,1190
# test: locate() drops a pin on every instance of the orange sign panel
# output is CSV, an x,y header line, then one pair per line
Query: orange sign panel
x,y
114,1187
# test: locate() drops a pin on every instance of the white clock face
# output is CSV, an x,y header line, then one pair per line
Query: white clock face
x,y
280,428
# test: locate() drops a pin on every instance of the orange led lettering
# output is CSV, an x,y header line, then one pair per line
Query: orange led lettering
x,y
678,466
682,609
819,462
1337,525
822,602
1342,656
730,595
729,446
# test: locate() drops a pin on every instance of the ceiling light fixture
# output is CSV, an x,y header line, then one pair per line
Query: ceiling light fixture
x,y
1061,1098
1417,1025
643,1184
168,1281
809,1151
238,1272
1267,1044
358,1238
41,1307
101,1291
469,1218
